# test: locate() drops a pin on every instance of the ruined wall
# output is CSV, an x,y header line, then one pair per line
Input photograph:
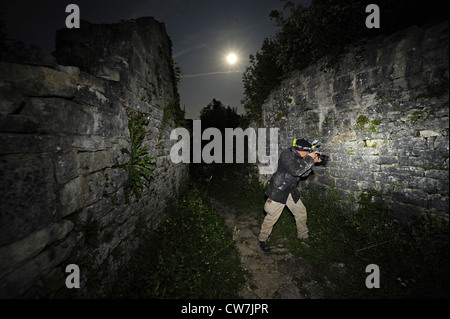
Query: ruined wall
x,y
63,131
382,115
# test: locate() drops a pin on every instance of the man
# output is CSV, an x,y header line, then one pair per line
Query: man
x,y
294,162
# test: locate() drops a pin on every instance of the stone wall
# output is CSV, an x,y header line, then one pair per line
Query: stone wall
x,y
382,114
63,130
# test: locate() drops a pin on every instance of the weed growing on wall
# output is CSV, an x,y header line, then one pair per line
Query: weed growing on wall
x,y
362,120
140,165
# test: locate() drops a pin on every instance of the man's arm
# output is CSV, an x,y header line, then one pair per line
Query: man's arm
x,y
295,165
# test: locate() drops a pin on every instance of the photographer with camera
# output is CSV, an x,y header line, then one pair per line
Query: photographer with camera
x,y
294,163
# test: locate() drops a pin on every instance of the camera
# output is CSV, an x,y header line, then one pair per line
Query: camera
x,y
316,144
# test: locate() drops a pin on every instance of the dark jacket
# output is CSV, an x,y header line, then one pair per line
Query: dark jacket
x,y
291,166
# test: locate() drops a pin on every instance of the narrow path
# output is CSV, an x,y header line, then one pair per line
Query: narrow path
x,y
272,275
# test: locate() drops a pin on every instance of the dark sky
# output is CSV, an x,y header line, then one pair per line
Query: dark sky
x,y
202,33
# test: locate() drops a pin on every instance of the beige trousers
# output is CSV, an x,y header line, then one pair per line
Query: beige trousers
x,y
274,210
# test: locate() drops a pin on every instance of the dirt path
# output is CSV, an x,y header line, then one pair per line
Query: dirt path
x,y
273,275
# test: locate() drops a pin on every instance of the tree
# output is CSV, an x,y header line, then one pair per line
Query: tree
x,y
262,76
215,114
325,29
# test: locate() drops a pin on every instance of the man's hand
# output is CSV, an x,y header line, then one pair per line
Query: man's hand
x,y
315,157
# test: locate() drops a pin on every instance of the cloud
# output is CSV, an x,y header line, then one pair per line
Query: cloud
x,y
175,55
188,76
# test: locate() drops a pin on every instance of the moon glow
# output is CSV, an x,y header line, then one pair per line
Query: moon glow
x,y
231,58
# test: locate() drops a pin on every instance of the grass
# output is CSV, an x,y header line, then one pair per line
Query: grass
x,y
413,259
191,255
237,184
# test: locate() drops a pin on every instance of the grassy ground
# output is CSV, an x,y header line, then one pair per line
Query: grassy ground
x,y
413,260
191,255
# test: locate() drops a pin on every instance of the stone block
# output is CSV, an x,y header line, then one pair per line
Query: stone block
x,y
67,167
91,81
81,191
399,180
107,72
339,173
403,212
94,161
425,161
72,71
403,170
17,124
90,143
428,133
12,100
87,95
425,184
437,174
70,197
110,125
93,186
53,115
440,204
28,274
15,254
366,184
38,80
386,160
412,197
326,180
346,184
28,197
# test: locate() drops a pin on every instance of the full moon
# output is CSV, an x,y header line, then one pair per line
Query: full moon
x,y
231,58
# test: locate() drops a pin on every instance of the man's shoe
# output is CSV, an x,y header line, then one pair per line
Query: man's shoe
x,y
308,241
264,246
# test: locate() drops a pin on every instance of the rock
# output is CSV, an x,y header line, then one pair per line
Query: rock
x,y
28,198
32,245
428,133
37,80
17,124
63,128
381,122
